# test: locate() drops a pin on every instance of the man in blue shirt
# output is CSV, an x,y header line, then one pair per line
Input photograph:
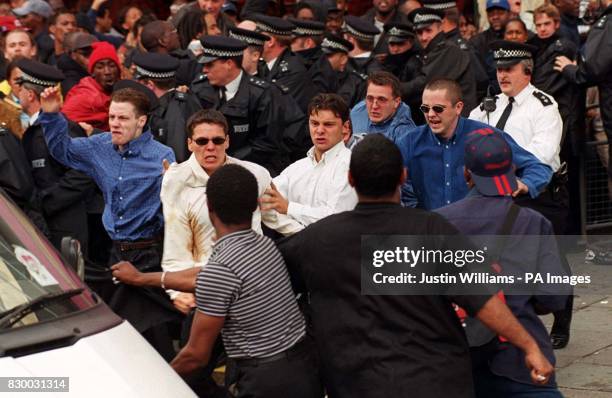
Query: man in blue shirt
x,y
382,111
433,153
126,163
489,174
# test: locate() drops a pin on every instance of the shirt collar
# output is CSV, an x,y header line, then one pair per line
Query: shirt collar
x,y
331,153
32,119
458,131
199,171
271,63
135,146
521,97
232,87
234,236
364,55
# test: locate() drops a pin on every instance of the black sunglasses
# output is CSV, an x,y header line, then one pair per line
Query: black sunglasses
x,y
204,141
436,108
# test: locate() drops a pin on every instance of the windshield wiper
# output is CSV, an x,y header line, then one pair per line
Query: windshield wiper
x,y
14,315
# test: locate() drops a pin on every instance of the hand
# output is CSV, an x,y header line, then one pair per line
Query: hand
x,y
127,273
561,62
165,166
87,127
522,189
184,302
50,100
540,368
182,89
273,200
95,5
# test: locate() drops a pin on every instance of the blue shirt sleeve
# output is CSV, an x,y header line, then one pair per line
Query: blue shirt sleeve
x,y
76,153
533,173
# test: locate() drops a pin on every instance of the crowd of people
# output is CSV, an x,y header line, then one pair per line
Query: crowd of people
x,y
220,167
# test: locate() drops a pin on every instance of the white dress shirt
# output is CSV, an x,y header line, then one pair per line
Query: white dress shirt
x,y
271,63
363,55
232,87
534,123
316,190
188,231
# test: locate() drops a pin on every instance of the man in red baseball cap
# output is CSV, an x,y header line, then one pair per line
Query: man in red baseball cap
x,y
89,100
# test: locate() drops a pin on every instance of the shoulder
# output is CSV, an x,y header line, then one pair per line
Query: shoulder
x,y
543,98
258,82
174,180
359,109
261,173
603,20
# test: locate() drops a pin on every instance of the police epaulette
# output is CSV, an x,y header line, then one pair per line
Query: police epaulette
x,y
258,82
362,76
543,98
601,22
202,77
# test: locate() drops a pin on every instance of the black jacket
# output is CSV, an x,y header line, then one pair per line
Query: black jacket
x,y
266,125
365,65
569,96
72,70
352,86
482,79
62,191
310,56
324,78
382,44
595,66
168,120
443,59
289,71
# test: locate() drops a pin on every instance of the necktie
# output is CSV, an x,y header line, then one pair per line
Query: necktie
x,y
501,123
222,95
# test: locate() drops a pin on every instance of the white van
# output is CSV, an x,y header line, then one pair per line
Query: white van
x,y
53,326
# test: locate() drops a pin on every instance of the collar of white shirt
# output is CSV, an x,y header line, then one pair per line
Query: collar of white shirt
x,y
521,97
328,155
231,88
271,64
32,119
198,170
364,55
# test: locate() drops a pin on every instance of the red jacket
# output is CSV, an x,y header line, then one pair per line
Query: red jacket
x,y
87,102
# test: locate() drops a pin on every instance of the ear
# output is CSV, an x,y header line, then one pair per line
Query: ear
x,y
52,29
190,144
404,176
346,131
227,142
142,120
459,108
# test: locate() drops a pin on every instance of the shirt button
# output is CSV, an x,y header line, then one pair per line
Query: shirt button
x,y
446,146
124,158
447,165
129,152
448,202
120,197
121,217
448,183
120,178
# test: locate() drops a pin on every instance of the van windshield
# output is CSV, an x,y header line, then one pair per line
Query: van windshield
x,y
30,271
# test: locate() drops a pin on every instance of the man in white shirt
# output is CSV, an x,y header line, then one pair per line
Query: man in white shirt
x,y
189,233
317,186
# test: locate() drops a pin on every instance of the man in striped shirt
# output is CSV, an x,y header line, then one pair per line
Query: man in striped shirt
x,y
245,294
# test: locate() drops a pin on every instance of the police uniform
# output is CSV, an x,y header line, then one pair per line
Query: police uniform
x,y
288,69
532,118
62,191
441,59
381,40
167,121
266,125
362,30
313,29
407,65
324,77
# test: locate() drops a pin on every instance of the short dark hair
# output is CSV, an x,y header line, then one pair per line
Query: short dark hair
x,y
365,45
329,102
162,84
138,99
209,116
452,15
376,166
517,20
232,193
453,89
384,78
58,12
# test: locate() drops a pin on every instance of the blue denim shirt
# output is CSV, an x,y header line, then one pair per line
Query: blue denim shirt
x,y
130,180
393,128
435,167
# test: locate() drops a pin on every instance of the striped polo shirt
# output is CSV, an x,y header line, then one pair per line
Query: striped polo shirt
x,y
246,281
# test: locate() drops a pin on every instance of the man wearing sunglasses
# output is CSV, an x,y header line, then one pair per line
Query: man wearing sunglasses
x,y
433,153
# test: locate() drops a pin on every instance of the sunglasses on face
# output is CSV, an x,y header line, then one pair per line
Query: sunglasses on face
x,y
436,108
204,141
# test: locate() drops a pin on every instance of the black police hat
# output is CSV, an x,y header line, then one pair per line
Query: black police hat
x,y
215,47
155,66
250,37
507,53
423,17
274,25
398,32
360,28
38,73
439,4
334,44
307,28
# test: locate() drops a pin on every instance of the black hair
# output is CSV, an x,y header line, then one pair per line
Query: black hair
x,y
209,116
376,166
232,194
329,102
190,26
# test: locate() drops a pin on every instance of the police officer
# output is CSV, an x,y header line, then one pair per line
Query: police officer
x,y
266,126
280,64
252,53
306,42
62,191
361,34
167,122
439,59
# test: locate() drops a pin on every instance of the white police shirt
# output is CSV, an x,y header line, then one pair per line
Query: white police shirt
x,y
534,123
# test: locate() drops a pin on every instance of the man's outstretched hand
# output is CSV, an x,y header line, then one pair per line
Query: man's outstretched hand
x,y
50,100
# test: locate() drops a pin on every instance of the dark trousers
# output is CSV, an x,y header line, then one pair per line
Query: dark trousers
x,y
294,374
488,385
